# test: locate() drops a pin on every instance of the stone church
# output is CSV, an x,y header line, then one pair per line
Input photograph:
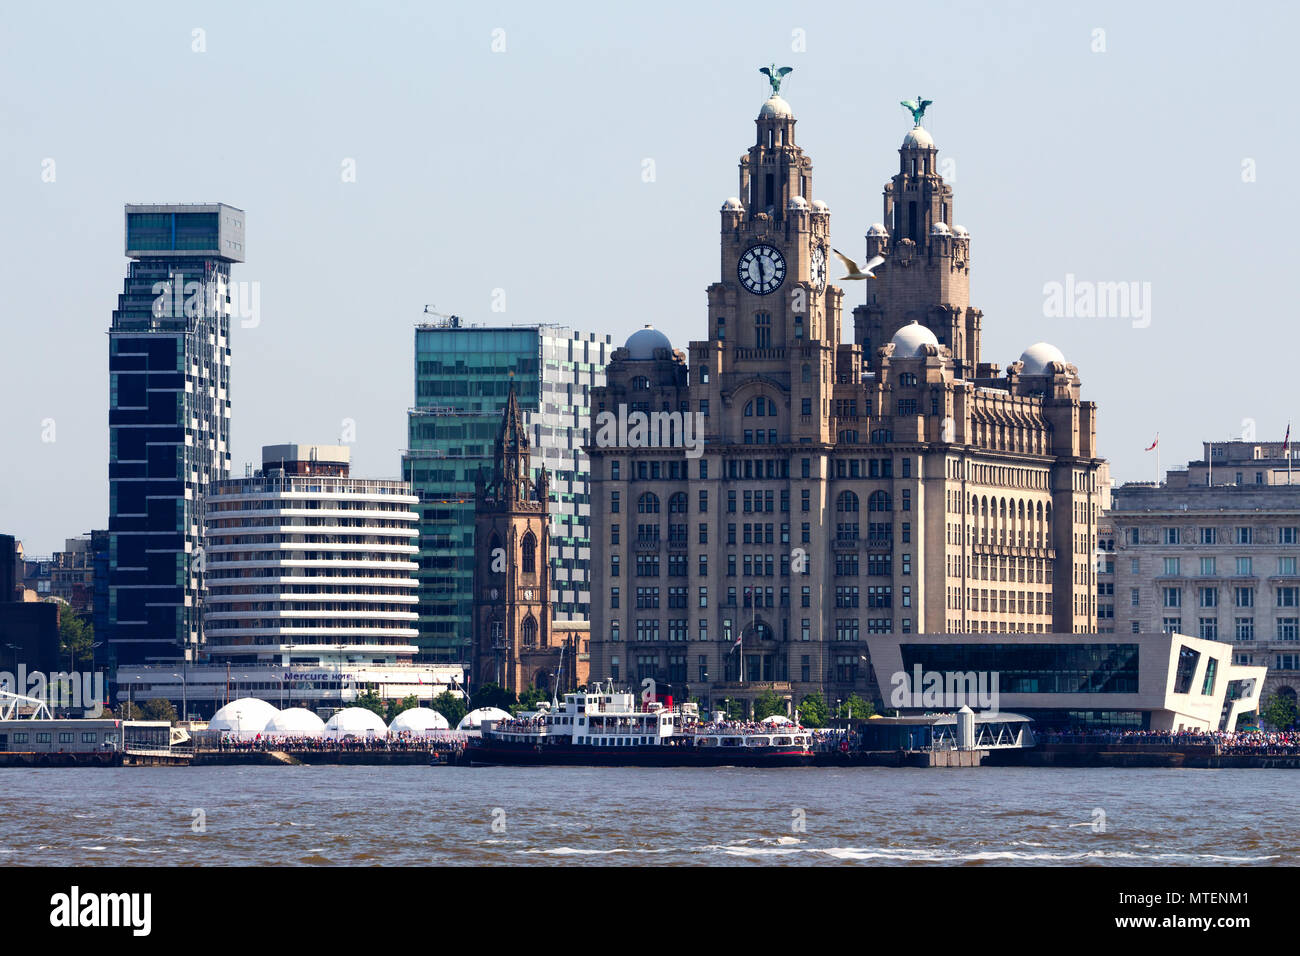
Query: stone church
x,y
881,479
517,642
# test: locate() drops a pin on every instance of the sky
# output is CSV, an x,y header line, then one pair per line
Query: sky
x,y
491,160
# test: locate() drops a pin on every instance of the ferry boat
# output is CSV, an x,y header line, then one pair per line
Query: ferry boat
x,y
602,727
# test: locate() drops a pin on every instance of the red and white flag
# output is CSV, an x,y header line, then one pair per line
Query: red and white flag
x,y
1153,444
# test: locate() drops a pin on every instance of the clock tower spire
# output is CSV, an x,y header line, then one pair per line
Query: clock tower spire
x,y
772,316
926,274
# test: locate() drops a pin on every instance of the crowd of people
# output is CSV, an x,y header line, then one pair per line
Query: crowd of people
x,y
442,741
1227,742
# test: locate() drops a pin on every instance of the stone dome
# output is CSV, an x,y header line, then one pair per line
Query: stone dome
x,y
909,340
1038,356
877,229
733,203
418,720
642,344
959,231
244,716
797,202
819,206
917,136
295,722
940,229
775,108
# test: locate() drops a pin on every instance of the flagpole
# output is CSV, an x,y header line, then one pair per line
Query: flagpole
x,y
1157,459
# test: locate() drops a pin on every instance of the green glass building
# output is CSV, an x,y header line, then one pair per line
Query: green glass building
x,y
462,377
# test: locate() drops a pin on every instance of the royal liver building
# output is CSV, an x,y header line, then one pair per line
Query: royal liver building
x,y
894,482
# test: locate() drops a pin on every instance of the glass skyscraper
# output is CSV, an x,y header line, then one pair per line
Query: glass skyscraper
x,y
463,375
168,421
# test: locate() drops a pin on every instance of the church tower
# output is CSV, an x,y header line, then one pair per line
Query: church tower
x,y
512,570
926,274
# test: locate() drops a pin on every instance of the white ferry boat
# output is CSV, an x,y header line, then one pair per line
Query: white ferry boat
x,y
602,727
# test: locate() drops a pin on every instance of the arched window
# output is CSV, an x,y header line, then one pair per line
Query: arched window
x,y
528,632
847,501
648,504
677,504
529,553
879,501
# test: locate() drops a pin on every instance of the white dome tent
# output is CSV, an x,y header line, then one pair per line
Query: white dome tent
x,y
355,722
295,722
474,718
418,721
244,717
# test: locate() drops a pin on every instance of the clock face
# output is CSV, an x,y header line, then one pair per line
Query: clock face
x,y
818,269
762,270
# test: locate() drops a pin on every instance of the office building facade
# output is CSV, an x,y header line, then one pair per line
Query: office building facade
x,y
463,376
897,483
169,421
306,565
1213,551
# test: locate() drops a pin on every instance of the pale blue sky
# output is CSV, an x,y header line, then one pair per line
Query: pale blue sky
x,y
521,171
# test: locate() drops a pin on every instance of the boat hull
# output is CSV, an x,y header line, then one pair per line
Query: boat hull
x,y
498,753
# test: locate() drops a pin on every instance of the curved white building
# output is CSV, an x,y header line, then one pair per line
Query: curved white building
x,y
474,718
306,565
245,716
355,722
295,722
418,720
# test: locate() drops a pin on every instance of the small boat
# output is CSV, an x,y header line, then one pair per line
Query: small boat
x,y
602,727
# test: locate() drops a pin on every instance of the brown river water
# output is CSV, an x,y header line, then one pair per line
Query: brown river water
x,y
354,816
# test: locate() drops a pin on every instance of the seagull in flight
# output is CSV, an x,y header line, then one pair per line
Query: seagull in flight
x,y
854,271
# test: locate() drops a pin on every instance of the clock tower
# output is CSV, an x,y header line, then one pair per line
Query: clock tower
x,y
512,567
774,321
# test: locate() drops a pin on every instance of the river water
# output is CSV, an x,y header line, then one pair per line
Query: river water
x,y
558,816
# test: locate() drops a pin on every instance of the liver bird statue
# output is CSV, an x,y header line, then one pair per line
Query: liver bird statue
x,y
916,107
775,74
